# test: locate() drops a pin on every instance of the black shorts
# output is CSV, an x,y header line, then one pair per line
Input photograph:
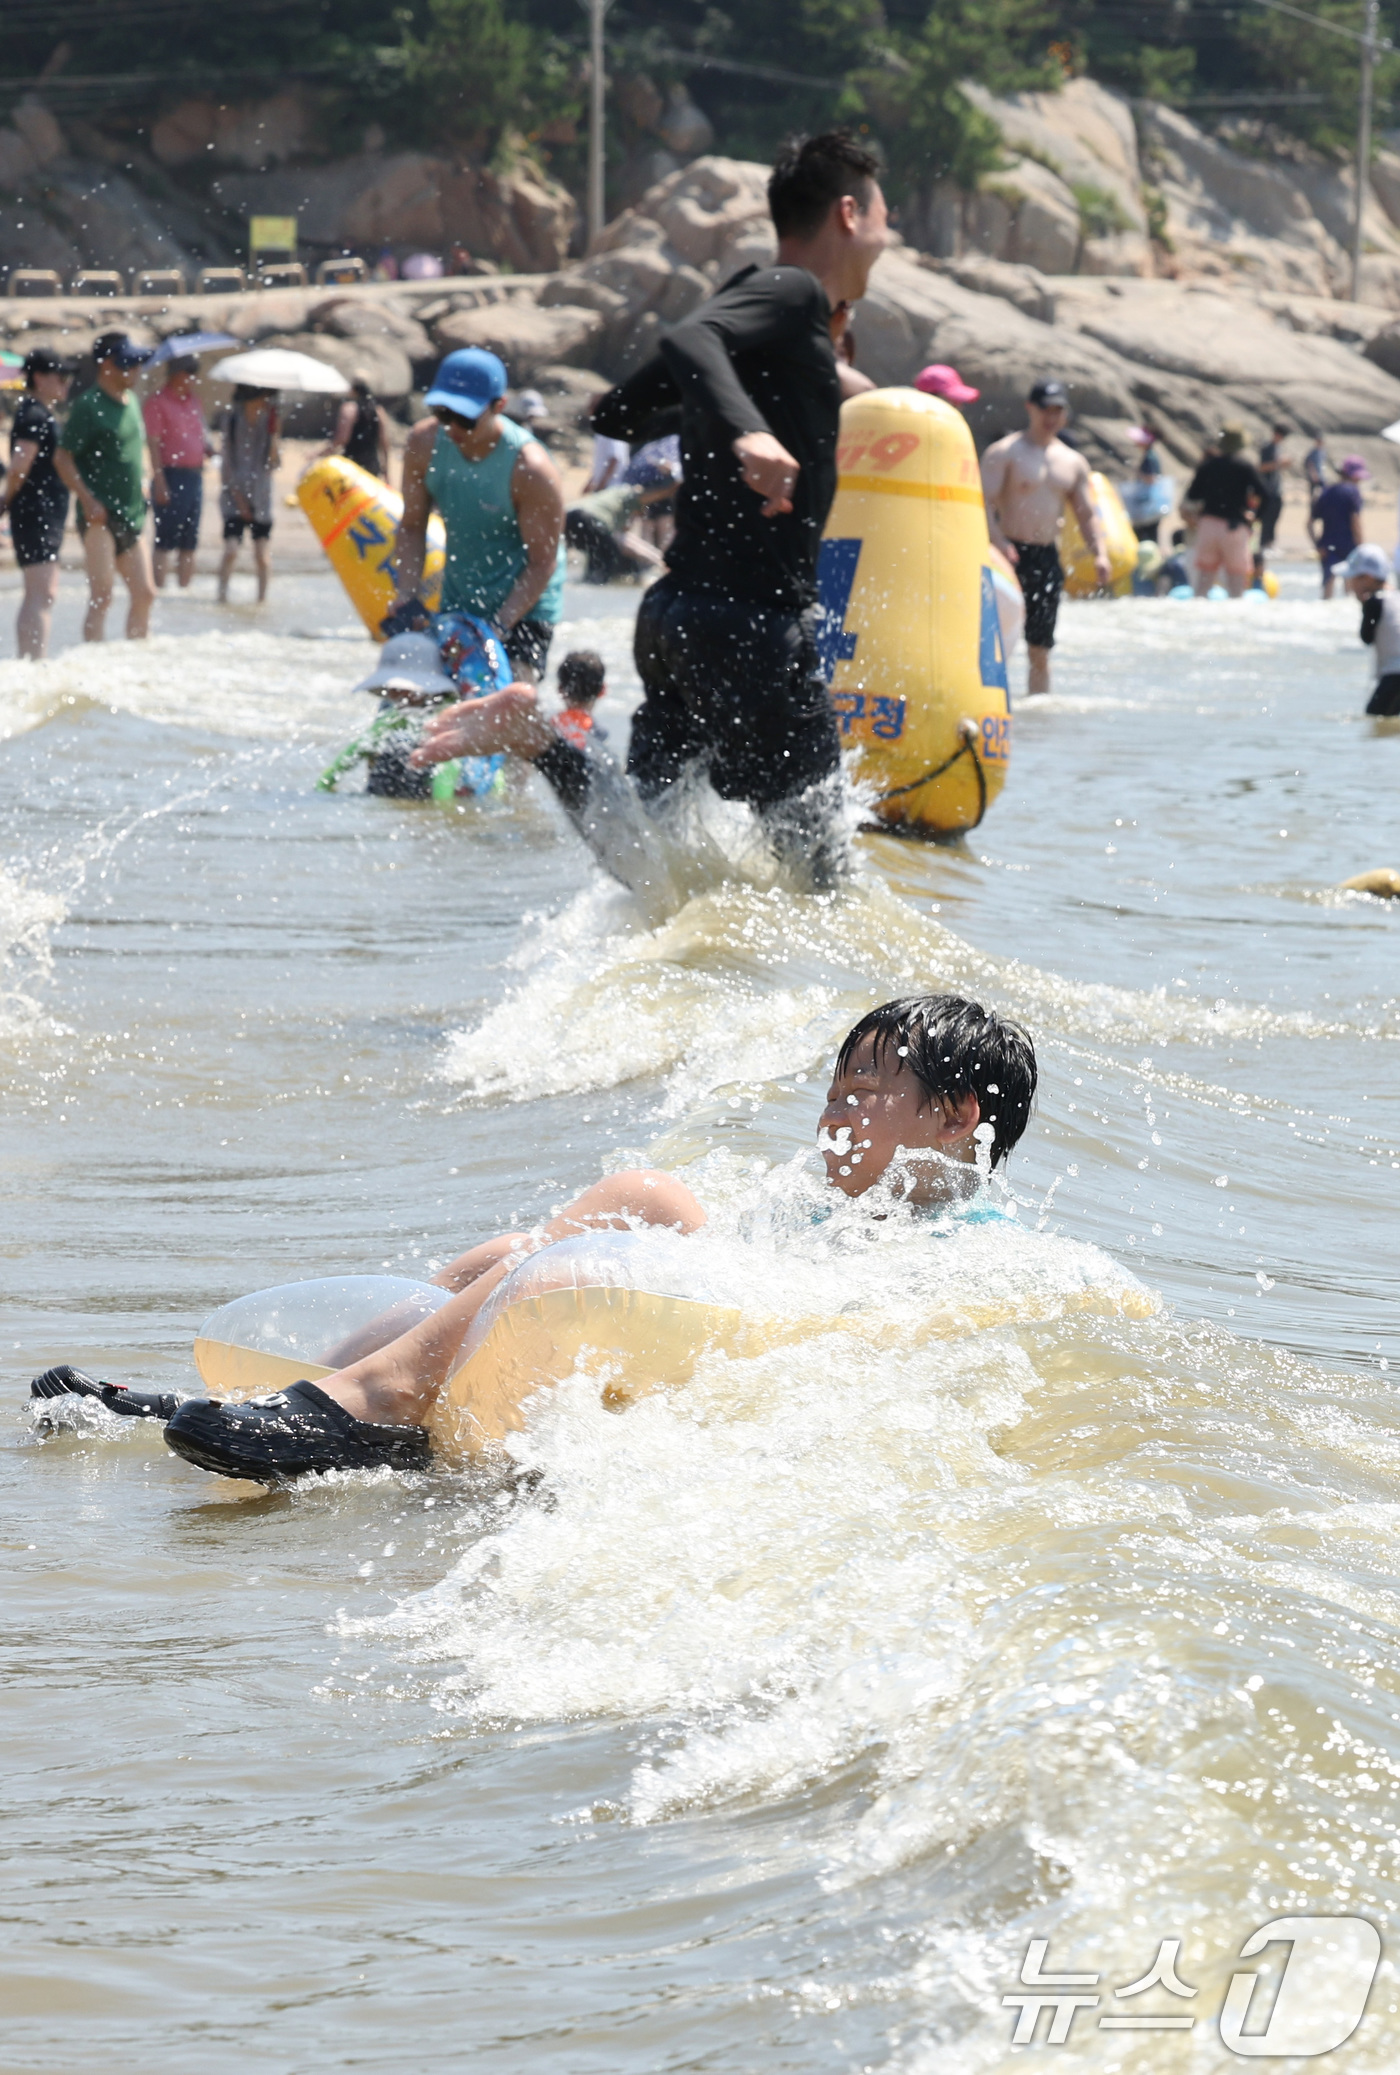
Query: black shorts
x,y
177,520
235,526
1042,580
124,537
36,531
735,689
1385,699
527,647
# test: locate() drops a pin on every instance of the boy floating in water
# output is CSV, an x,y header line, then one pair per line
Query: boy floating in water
x,y
918,1085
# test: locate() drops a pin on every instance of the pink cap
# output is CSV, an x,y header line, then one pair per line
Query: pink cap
x,y
946,382
1353,467
1141,435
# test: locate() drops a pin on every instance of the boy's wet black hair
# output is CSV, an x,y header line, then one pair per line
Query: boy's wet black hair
x,y
955,1048
581,676
810,173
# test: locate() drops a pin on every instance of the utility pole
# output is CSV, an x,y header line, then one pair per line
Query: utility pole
x,y
1363,143
597,88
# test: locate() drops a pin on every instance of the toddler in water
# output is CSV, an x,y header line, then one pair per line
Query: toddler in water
x,y
920,1086
1367,573
582,683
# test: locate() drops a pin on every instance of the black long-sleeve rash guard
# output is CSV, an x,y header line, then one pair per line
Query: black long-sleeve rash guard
x,y
757,357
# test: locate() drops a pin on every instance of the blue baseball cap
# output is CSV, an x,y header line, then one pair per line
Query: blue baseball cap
x,y
467,381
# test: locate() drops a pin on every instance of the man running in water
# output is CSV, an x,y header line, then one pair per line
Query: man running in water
x,y
725,642
1027,479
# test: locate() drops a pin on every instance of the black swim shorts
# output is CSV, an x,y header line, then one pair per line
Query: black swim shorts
x,y
1385,699
36,531
177,520
124,537
1042,580
527,648
734,688
235,526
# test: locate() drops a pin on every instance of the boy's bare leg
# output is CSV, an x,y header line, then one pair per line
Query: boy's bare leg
x,y
186,567
136,575
226,562
99,552
262,562
1038,677
397,1384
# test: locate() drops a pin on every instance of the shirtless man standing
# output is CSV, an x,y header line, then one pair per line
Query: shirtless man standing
x,y
1027,479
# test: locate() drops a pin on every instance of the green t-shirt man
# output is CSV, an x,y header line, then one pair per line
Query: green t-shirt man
x,y
106,441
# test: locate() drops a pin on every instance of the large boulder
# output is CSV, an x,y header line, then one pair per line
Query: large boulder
x,y
69,214
638,273
353,317
712,216
574,286
1028,215
1383,350
411,198
1252,367
40,130
253,134
912,316
1024,286
700,209
525,336
382,361
1234,214
1084,133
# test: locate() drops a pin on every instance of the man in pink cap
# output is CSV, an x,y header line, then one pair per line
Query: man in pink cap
x,y
944,381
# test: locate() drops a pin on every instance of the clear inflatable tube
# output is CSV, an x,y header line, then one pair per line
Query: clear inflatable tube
x,y
304,1330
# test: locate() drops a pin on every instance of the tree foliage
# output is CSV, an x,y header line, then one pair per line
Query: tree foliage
x,y
471,74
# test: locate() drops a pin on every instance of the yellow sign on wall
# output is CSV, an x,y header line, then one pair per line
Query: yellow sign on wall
x,y
272,234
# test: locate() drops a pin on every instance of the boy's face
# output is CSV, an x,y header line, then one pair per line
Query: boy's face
x,y
873,1112
1364,587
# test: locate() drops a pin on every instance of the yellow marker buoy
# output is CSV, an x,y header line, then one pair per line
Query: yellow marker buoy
x,y
909,630
1119,538
356,517
1384,882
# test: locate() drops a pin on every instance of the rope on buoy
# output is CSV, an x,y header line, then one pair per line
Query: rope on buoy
x,y
967,748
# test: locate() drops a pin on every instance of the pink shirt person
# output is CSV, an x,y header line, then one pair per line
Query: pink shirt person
x,y
175,429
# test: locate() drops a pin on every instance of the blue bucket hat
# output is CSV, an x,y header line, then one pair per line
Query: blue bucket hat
x,y
467,381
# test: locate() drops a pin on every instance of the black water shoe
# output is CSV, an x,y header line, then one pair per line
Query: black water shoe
x,y
65,1382
288,1433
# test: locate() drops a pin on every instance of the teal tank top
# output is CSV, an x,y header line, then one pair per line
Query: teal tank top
x,y
485,553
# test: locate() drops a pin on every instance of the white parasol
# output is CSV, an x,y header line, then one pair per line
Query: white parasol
x,y
1392,432
278,367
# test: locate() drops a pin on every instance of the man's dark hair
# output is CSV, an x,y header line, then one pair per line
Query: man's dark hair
x,y
955,1048
581,677
810,173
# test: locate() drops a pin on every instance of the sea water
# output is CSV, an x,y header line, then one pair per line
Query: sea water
x,y
1044,1590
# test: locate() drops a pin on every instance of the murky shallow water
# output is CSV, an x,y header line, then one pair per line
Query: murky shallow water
x,y
814,1693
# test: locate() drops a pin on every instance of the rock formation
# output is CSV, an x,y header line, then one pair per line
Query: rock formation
x,y
1189,354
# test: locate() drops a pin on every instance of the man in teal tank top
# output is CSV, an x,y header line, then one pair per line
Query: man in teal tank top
x,y
502,504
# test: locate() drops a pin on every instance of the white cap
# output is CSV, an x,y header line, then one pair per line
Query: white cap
x,y
409,663
1364,561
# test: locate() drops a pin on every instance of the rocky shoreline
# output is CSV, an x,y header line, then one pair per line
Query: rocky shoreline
x,y
1186,353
